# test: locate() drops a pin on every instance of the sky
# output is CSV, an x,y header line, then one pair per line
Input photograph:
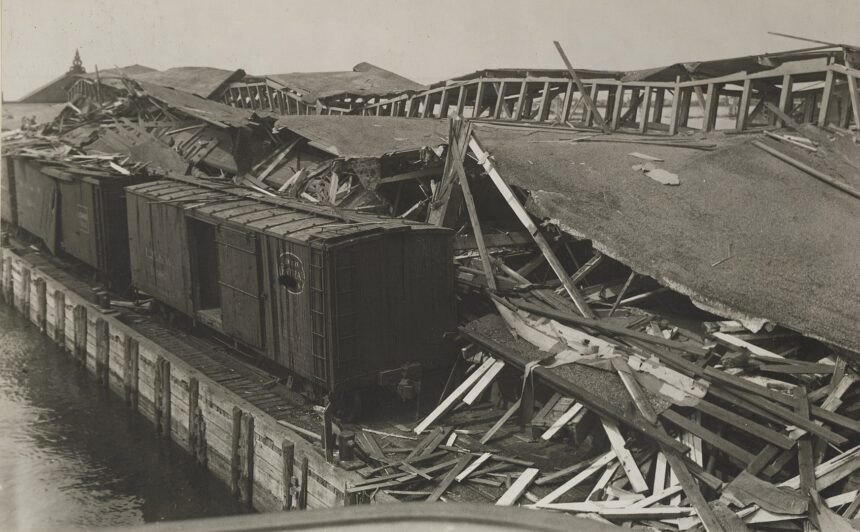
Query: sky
x,y
425,40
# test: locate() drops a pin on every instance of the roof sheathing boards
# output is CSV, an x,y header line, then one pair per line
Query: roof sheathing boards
x,y
788,240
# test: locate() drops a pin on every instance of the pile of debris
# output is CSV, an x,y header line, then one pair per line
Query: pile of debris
x,y
632,417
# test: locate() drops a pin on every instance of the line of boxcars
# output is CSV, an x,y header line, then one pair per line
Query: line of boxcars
x,y
344,300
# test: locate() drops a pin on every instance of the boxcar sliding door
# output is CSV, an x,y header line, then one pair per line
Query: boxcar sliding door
x,y
239,280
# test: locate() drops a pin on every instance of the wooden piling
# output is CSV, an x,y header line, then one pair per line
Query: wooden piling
x,y
41,304
80,327
25,293
102,352
247,448
288,459
196,424
234,451
8,282
60,318
346,442
130,371
303,486
165,399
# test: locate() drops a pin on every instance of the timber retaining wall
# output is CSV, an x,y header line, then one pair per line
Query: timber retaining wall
x,y
211,423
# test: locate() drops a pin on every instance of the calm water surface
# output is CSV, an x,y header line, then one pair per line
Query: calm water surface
x,y
71,456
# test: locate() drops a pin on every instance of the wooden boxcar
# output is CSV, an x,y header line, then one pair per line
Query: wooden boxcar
x,y
336,302
74,214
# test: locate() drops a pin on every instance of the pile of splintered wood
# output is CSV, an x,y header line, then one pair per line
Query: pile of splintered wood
x,y
733,426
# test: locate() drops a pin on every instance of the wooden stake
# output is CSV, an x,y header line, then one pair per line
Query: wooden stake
x,y
287,464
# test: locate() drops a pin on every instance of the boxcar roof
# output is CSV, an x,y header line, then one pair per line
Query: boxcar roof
x,y
296,223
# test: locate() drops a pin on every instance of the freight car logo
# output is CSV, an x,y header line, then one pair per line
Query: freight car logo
x,y
291,273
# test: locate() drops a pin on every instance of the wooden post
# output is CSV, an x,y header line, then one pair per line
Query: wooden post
x,y
709,119
288,462
80,319
426,111
235,463
60,318
825,99
193,418
543,112
247,446
618,105
473,212
518,113
785,98
157,396
25,293
303,487
479,98
102,352
566,104
527,401
443,103
165,399
41,305
684,111
461,100
500,100
7,280
129,373
676,100
646,108
659,99
855,98
743,106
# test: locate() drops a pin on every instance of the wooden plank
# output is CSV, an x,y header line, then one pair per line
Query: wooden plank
x,y
457,160
526,220
473,467
616,441
593,468
752,348
693,493
562,420
518,113
449,478
543,111
479,98
502,420
449,401
512,495
567,103
712,438
593,112
500,100
744,424
484,382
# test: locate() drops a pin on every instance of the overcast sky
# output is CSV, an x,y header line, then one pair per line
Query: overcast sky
x,y
426,40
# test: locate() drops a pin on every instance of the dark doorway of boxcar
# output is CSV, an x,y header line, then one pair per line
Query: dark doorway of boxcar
x,y
204,272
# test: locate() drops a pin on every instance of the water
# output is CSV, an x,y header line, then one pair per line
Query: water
x,y
71,455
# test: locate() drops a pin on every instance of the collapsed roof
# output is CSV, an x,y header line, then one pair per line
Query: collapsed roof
x,y
363,80
745,235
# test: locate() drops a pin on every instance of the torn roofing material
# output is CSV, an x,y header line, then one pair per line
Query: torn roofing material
x,y
744,233
208,110
202,81
363,80
365,136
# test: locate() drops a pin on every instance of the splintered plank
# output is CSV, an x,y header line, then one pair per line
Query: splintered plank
x,y
595,466
473,466
562,420
449,478
512,495
449,401
693,493
485,381
616,441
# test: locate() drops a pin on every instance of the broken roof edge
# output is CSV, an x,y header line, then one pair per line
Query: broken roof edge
x,y
706,303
